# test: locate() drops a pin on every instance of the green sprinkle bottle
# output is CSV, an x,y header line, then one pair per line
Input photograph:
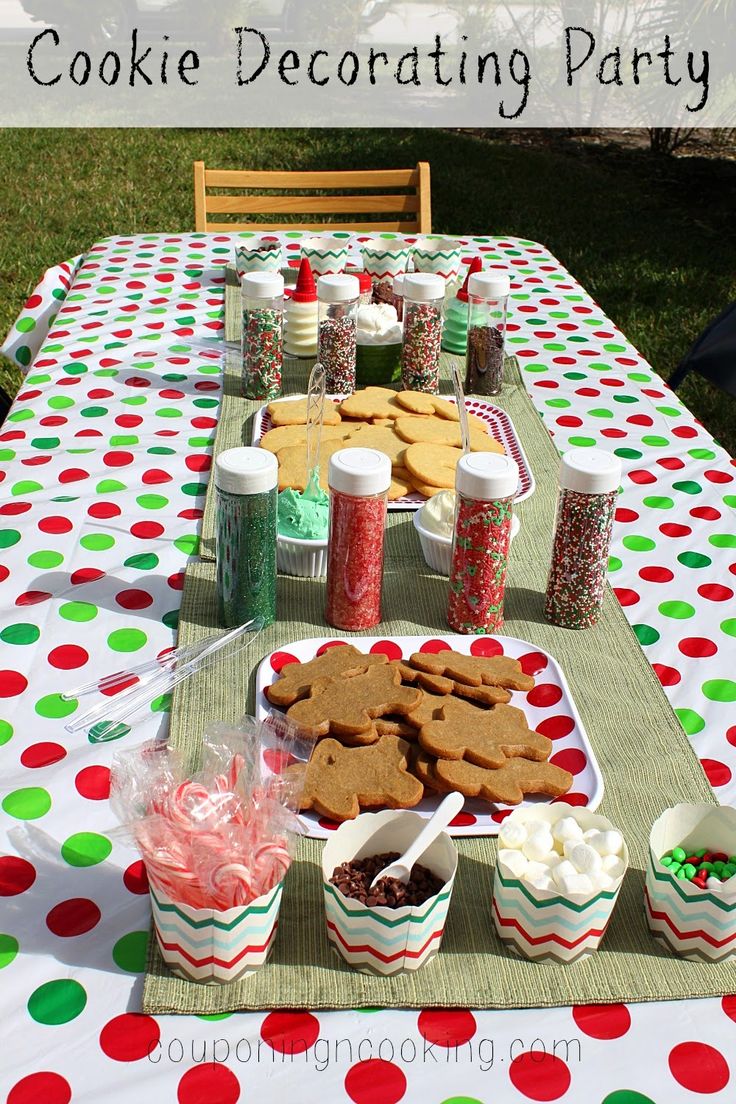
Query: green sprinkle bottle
x,y
246,480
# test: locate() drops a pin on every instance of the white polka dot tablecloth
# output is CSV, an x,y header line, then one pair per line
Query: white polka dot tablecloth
x,y
104,461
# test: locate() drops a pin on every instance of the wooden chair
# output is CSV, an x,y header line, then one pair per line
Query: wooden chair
x,y
414,207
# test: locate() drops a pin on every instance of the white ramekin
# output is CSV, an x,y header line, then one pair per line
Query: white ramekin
x,y
438,550
306,558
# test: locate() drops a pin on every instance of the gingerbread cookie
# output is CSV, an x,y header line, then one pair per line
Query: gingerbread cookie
x,y
339,781
294,412
474,670
496,735
432,706
438,684
283,436
348,706
382,438
296,679
371,402
506,785
441,431
418,402
432,466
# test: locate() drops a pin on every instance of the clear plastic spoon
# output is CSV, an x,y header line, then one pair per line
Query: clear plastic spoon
x,y
446,811
315,418
457,384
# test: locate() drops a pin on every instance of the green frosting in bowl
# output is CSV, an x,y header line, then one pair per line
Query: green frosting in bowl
x,y
303,518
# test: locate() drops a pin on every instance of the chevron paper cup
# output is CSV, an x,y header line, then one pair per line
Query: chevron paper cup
x,y
438,255
384,258
212,946
325,255
259,255
385,940
694,923
540,924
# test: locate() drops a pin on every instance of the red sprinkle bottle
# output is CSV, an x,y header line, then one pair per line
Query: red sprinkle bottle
x,y
589,483
486,484
359,480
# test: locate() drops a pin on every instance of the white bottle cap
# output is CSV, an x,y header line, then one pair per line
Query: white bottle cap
x,y
423,287
487,475
262,285
338,288
246,471
590,471
359,471
489,285
399,284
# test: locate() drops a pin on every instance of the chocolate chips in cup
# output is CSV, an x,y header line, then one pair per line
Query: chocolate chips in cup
x,y
353,879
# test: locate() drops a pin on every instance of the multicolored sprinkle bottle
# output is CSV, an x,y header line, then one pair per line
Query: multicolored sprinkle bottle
x,y
339,296
424,296
263,334
589,485
488,294
486,485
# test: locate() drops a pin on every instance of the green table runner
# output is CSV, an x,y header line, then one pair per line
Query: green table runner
x,y
646,760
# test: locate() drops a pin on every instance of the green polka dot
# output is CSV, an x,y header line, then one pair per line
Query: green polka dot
x,y
24,415
583,442
659,502
161,450
688,486
23,355
639,544
152,502
21,633
110,486
94,412
101,733
9,538
143,561
200,442
646,634
97,542
610,348
162,704
639,377
535,367
215,1017
702,454
6,732
6,455
694,559
722,540
78,611
575,375
26,325
558,404
45,560
189,545
601,412
60,402
730,500
653,441
127,640
194,490
8,949
628,453
720,690
679,610
728,627
614,563
57,1002
462,1100
129,953
27,804
691,721
46,443
25,487
53,706
627,1096
85,849
123,440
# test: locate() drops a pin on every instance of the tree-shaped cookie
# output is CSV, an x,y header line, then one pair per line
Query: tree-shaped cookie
x,y
297,679
339,780
474,670
495,735
505,785
348,706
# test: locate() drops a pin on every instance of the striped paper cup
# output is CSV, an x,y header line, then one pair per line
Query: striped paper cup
x,y
258,255
438,255
384,940
694,923
541,924
385,258
214,946
325,255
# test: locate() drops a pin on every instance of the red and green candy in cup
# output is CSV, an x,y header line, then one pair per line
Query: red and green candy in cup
x,y
705,869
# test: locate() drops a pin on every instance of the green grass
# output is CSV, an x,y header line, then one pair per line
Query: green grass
x,y
652,241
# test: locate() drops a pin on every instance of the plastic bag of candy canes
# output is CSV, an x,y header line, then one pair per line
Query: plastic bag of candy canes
x,y
222,837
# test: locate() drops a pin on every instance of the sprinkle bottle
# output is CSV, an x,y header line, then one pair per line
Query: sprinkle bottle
x,y
246,481
486,484
424,296
488,296
586,503
398,295
301,317
365,284
339,297
263,334
455,329
359,480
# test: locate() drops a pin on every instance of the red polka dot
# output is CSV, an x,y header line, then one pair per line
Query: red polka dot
x,y
208,1084
16,875
698,1067
42,755
571,759
501,815
731,735
104,510
117,459
12,683
93,783
602,1021
705,513
533,663
697,647
640,420
728,1004
539,1076
198,463
73,917
128,421
55,525
147,530
87,575
134,599
447,1028
433,647
290,1032
375,1082
67,657
685,432
626,516
280,659
73,475
670,529
328,825
154,476
577,799
387,648
671,463
129,1037
715,476
176,582
714,592
135,878
32,598
641,476
718,774
626,597
51,1088
569,421
668,676
544,695
463,820
656,574
486,646
4,572
277,761
12,509
556,728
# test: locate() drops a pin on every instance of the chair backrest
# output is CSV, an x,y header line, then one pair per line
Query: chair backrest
x,y
413,202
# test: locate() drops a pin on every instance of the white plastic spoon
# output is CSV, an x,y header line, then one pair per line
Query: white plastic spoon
x,y
446,811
